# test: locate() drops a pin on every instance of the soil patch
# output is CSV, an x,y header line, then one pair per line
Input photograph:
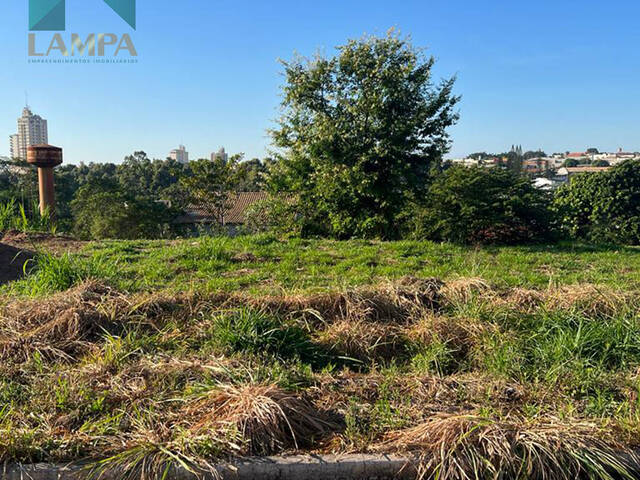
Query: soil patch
x,y
36,240
12,262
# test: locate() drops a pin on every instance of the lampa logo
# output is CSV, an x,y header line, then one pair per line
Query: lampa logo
x,y
50,16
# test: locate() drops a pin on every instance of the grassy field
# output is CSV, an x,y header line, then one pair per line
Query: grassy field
x,y
266,265
135,355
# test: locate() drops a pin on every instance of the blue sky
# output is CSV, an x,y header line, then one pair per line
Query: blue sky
x,y
558,75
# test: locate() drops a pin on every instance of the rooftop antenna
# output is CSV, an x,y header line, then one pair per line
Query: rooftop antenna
x,y
26,99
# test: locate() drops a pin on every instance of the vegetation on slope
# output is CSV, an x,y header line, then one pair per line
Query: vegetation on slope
x,y
473,374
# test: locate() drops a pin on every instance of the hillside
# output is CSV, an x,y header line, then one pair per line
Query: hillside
x,y
139,354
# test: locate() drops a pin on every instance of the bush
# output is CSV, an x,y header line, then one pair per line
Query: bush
x,y
482,205
603,206
574,203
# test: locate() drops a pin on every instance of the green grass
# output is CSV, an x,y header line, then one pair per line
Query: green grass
x,y
189,321
254,332
48,273
273,266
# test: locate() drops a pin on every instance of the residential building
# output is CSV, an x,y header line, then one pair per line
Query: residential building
x,y
32,130
220,154
233,218
621,155
14,145
179,154
564,174
536,166
467,162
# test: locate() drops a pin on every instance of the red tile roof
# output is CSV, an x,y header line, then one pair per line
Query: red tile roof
x,y
235,214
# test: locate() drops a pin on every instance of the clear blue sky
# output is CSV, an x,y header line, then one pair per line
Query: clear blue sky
x,y
560,75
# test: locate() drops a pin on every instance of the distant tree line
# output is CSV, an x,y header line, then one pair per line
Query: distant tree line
x,y
138,198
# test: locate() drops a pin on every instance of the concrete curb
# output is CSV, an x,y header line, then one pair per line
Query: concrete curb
x,y
299,467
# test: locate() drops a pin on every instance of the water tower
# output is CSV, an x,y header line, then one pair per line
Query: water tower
x,y
46,158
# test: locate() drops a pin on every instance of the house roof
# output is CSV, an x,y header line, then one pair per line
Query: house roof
x,y
576,155
583,169
238,205
586,169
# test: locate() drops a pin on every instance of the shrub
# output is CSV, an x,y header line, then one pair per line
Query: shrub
x,y
574,203
602,206
482,205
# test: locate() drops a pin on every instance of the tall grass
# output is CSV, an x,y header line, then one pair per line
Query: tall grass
x,y
14,216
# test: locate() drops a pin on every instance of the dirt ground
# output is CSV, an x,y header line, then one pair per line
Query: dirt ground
x,y
17,247
45,241
12,262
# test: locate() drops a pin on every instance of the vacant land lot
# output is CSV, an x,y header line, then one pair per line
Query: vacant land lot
x,y
518,360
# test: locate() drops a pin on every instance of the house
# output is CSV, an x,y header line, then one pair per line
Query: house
x,y
578,156
621,155
564,174
467,162
536,166
232,218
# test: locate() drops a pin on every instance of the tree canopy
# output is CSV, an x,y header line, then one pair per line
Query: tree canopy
x,y
360,133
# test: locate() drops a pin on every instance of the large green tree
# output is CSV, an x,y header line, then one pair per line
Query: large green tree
x,y
360,134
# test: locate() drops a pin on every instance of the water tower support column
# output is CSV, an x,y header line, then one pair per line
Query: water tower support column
x,y
46,158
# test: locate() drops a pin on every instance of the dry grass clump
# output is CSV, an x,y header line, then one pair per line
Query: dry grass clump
x,y
63,325
465,447
591,300
458,334
463,290
149,461
588,299
362,340
389,302
394,302
259,419
419,396
141,380
58,326
522,299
